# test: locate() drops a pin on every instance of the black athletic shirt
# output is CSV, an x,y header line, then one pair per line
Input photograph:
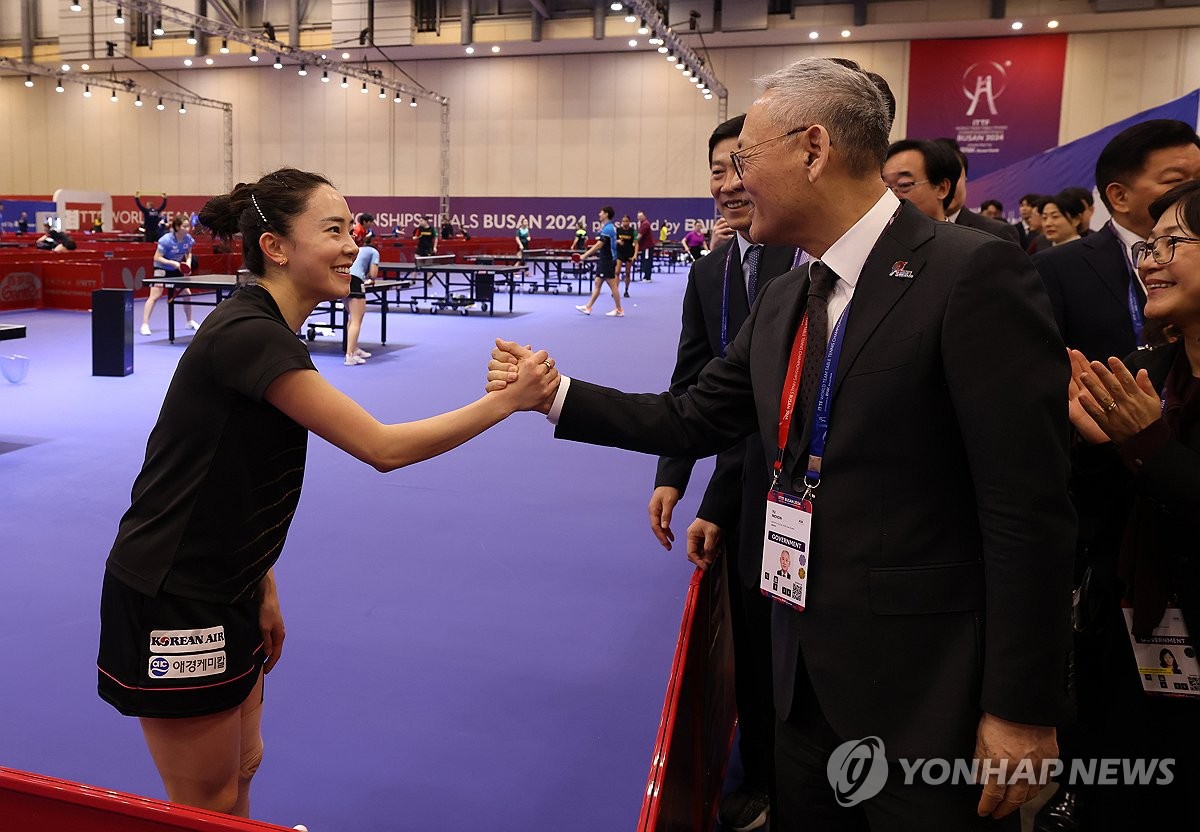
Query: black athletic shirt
x,y
221,480
625,238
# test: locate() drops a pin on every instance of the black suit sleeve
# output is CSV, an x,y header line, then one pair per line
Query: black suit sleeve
x,y
693,354
1007,374
711,416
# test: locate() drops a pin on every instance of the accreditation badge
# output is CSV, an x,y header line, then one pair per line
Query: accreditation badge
x,y
786,557
1166,659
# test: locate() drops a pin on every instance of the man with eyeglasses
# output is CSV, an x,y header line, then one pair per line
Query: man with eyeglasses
x,y
918,448
1092,282
720,291
924,173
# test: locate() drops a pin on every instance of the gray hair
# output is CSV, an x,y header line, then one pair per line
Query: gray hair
x,y
842,100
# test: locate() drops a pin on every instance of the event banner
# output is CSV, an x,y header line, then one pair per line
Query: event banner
x,y
999,98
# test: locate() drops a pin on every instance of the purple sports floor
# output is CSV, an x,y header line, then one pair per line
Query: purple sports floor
x,y
480,642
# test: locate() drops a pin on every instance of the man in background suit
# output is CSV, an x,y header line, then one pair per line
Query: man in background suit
x,y
922,172
958,212
1094,291
938,573
716,303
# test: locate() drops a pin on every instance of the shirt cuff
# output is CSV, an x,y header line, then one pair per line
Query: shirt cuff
x,y
1144,445
564,384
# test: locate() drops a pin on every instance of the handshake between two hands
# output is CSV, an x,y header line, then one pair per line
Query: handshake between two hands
x,y
529,376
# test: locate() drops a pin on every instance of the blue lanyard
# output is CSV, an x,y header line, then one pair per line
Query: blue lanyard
x,y
820,427
1135,308
735,246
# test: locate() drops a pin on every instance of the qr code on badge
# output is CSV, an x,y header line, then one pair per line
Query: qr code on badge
x,y
1194,682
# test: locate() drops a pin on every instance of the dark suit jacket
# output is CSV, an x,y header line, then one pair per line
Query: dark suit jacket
x,y
740,475
1088,283
943,533
996,228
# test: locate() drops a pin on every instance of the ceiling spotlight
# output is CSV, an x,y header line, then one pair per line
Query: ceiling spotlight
x,y
137,102
84,67
187,61
397,99
814,35
632,42
643,29
191,38
345,56
29,80
87,91
120,18
1017,25
413,102
670,56
182,109
302,71
253,54
324,76
495,49
470,50
662,50
224,46
382,93
364,88
158,29
708,96
278,63
66,67
76,7
208,61
631,18
687,73
616,7
681,64
58,87
345,83
1051,24
160,106
655,41
113,97
845,33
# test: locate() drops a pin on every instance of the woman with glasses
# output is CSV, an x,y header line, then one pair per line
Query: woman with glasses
x,y
1139,456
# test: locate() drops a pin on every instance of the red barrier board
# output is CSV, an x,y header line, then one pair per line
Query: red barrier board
x,y
20,286
699,715
36,803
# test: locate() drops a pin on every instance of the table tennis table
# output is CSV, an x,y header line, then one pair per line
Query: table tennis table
x,y
224,285
552,264
478,281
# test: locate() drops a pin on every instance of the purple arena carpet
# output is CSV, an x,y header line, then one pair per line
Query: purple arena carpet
x,y
480,642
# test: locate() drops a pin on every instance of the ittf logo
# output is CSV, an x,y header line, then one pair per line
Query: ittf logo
x,y
159,667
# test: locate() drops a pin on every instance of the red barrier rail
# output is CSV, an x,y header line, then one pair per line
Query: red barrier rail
x,y
695,732
37,803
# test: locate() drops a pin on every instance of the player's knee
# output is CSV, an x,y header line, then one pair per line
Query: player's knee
x,y
251,759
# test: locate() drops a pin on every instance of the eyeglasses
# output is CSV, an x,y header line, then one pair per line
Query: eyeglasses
x,y
738,157
1162,249
902,188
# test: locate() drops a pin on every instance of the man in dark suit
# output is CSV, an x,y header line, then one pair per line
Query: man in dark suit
x,y
922,172
1095,294
958,212
716,303
938,573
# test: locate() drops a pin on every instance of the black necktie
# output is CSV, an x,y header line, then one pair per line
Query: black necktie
x,y
820,286
750,266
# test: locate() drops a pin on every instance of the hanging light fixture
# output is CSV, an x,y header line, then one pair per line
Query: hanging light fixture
x,y
161,106
413,102
397,99
87,91
364,88
158,28
253,54
345,82
643,29
382,94
224,46
59,87
76,7
113,97
29,80
302,71
120,18
324,76
278,63
137,102
182,109
191,38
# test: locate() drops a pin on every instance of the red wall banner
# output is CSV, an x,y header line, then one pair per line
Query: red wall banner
x,y
999,98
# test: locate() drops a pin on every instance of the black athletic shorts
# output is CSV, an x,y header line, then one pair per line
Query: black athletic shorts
x,y
169,656
356,287
607,268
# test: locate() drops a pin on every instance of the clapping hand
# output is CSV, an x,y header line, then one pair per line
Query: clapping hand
x,y
1117,404
520,368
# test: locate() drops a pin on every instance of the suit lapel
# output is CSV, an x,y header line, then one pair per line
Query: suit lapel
x,y
1104,255
891,269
